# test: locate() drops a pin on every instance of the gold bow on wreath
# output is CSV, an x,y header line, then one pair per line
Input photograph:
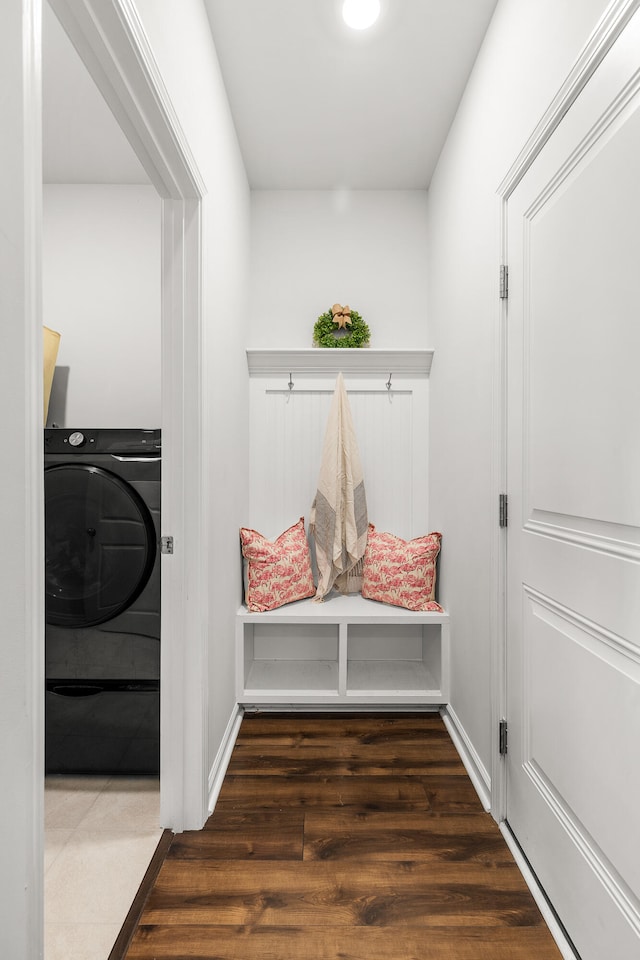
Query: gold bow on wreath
x,y
341,316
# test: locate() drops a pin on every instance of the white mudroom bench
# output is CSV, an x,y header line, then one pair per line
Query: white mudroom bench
x,y
345,650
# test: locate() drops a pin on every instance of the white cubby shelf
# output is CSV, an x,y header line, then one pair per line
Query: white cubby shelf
x,y
345,650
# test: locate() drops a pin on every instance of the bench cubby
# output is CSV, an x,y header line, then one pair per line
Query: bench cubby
x,y
345,650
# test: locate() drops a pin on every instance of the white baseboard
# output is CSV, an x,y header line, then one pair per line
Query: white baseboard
x,y
555,928
340,708
221,762
468,754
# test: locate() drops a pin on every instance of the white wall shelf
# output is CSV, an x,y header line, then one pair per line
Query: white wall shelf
x,y
345,650
325,362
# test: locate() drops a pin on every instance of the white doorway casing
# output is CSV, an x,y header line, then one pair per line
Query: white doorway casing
x,y
112,43
22,501
114,46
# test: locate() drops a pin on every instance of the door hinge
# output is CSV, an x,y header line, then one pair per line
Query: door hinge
x,y
503,738
166,544
503,510
504,281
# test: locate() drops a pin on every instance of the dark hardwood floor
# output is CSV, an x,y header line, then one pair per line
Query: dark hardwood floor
x,y
343,838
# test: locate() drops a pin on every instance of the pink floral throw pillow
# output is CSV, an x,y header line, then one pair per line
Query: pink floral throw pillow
x,y
279,571
401,572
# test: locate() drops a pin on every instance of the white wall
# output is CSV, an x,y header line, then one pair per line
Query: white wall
x,y
528,51
180,37
101,292
311,249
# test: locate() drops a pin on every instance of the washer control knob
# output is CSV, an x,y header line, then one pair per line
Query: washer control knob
x,y
77,439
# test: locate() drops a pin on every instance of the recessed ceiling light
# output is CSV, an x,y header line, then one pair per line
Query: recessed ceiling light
x,y
360,14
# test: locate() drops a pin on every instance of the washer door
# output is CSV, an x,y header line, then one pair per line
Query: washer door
x,y
100,545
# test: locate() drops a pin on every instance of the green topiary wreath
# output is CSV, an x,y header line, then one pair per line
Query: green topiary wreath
x,y
324,332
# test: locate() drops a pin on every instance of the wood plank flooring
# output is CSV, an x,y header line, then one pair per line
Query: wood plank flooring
x,y
343,838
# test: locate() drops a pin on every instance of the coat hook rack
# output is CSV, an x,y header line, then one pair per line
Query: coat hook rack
x,y
290,384
388,383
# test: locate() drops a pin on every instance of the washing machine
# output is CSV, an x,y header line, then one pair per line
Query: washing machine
x,y
102,589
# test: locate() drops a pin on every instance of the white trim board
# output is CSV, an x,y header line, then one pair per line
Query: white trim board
x,y
112,43
223,756
342,708
607,30
114,47
22,512
469,756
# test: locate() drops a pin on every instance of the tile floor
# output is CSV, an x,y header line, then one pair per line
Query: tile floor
x,y
100,835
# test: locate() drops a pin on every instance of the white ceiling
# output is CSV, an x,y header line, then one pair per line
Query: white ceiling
x,y
315,104
318,105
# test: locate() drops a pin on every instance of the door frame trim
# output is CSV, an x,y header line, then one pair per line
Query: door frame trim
x,y
612,23
22,910
114,47
606,32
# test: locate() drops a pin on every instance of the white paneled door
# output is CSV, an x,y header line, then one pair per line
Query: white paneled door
x,y
573,547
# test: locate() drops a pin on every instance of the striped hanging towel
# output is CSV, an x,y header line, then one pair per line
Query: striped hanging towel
x,y
338,519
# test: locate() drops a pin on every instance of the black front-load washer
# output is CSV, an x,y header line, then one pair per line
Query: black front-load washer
x,y
102,588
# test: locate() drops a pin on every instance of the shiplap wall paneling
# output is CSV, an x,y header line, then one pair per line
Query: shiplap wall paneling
x,y
287,434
